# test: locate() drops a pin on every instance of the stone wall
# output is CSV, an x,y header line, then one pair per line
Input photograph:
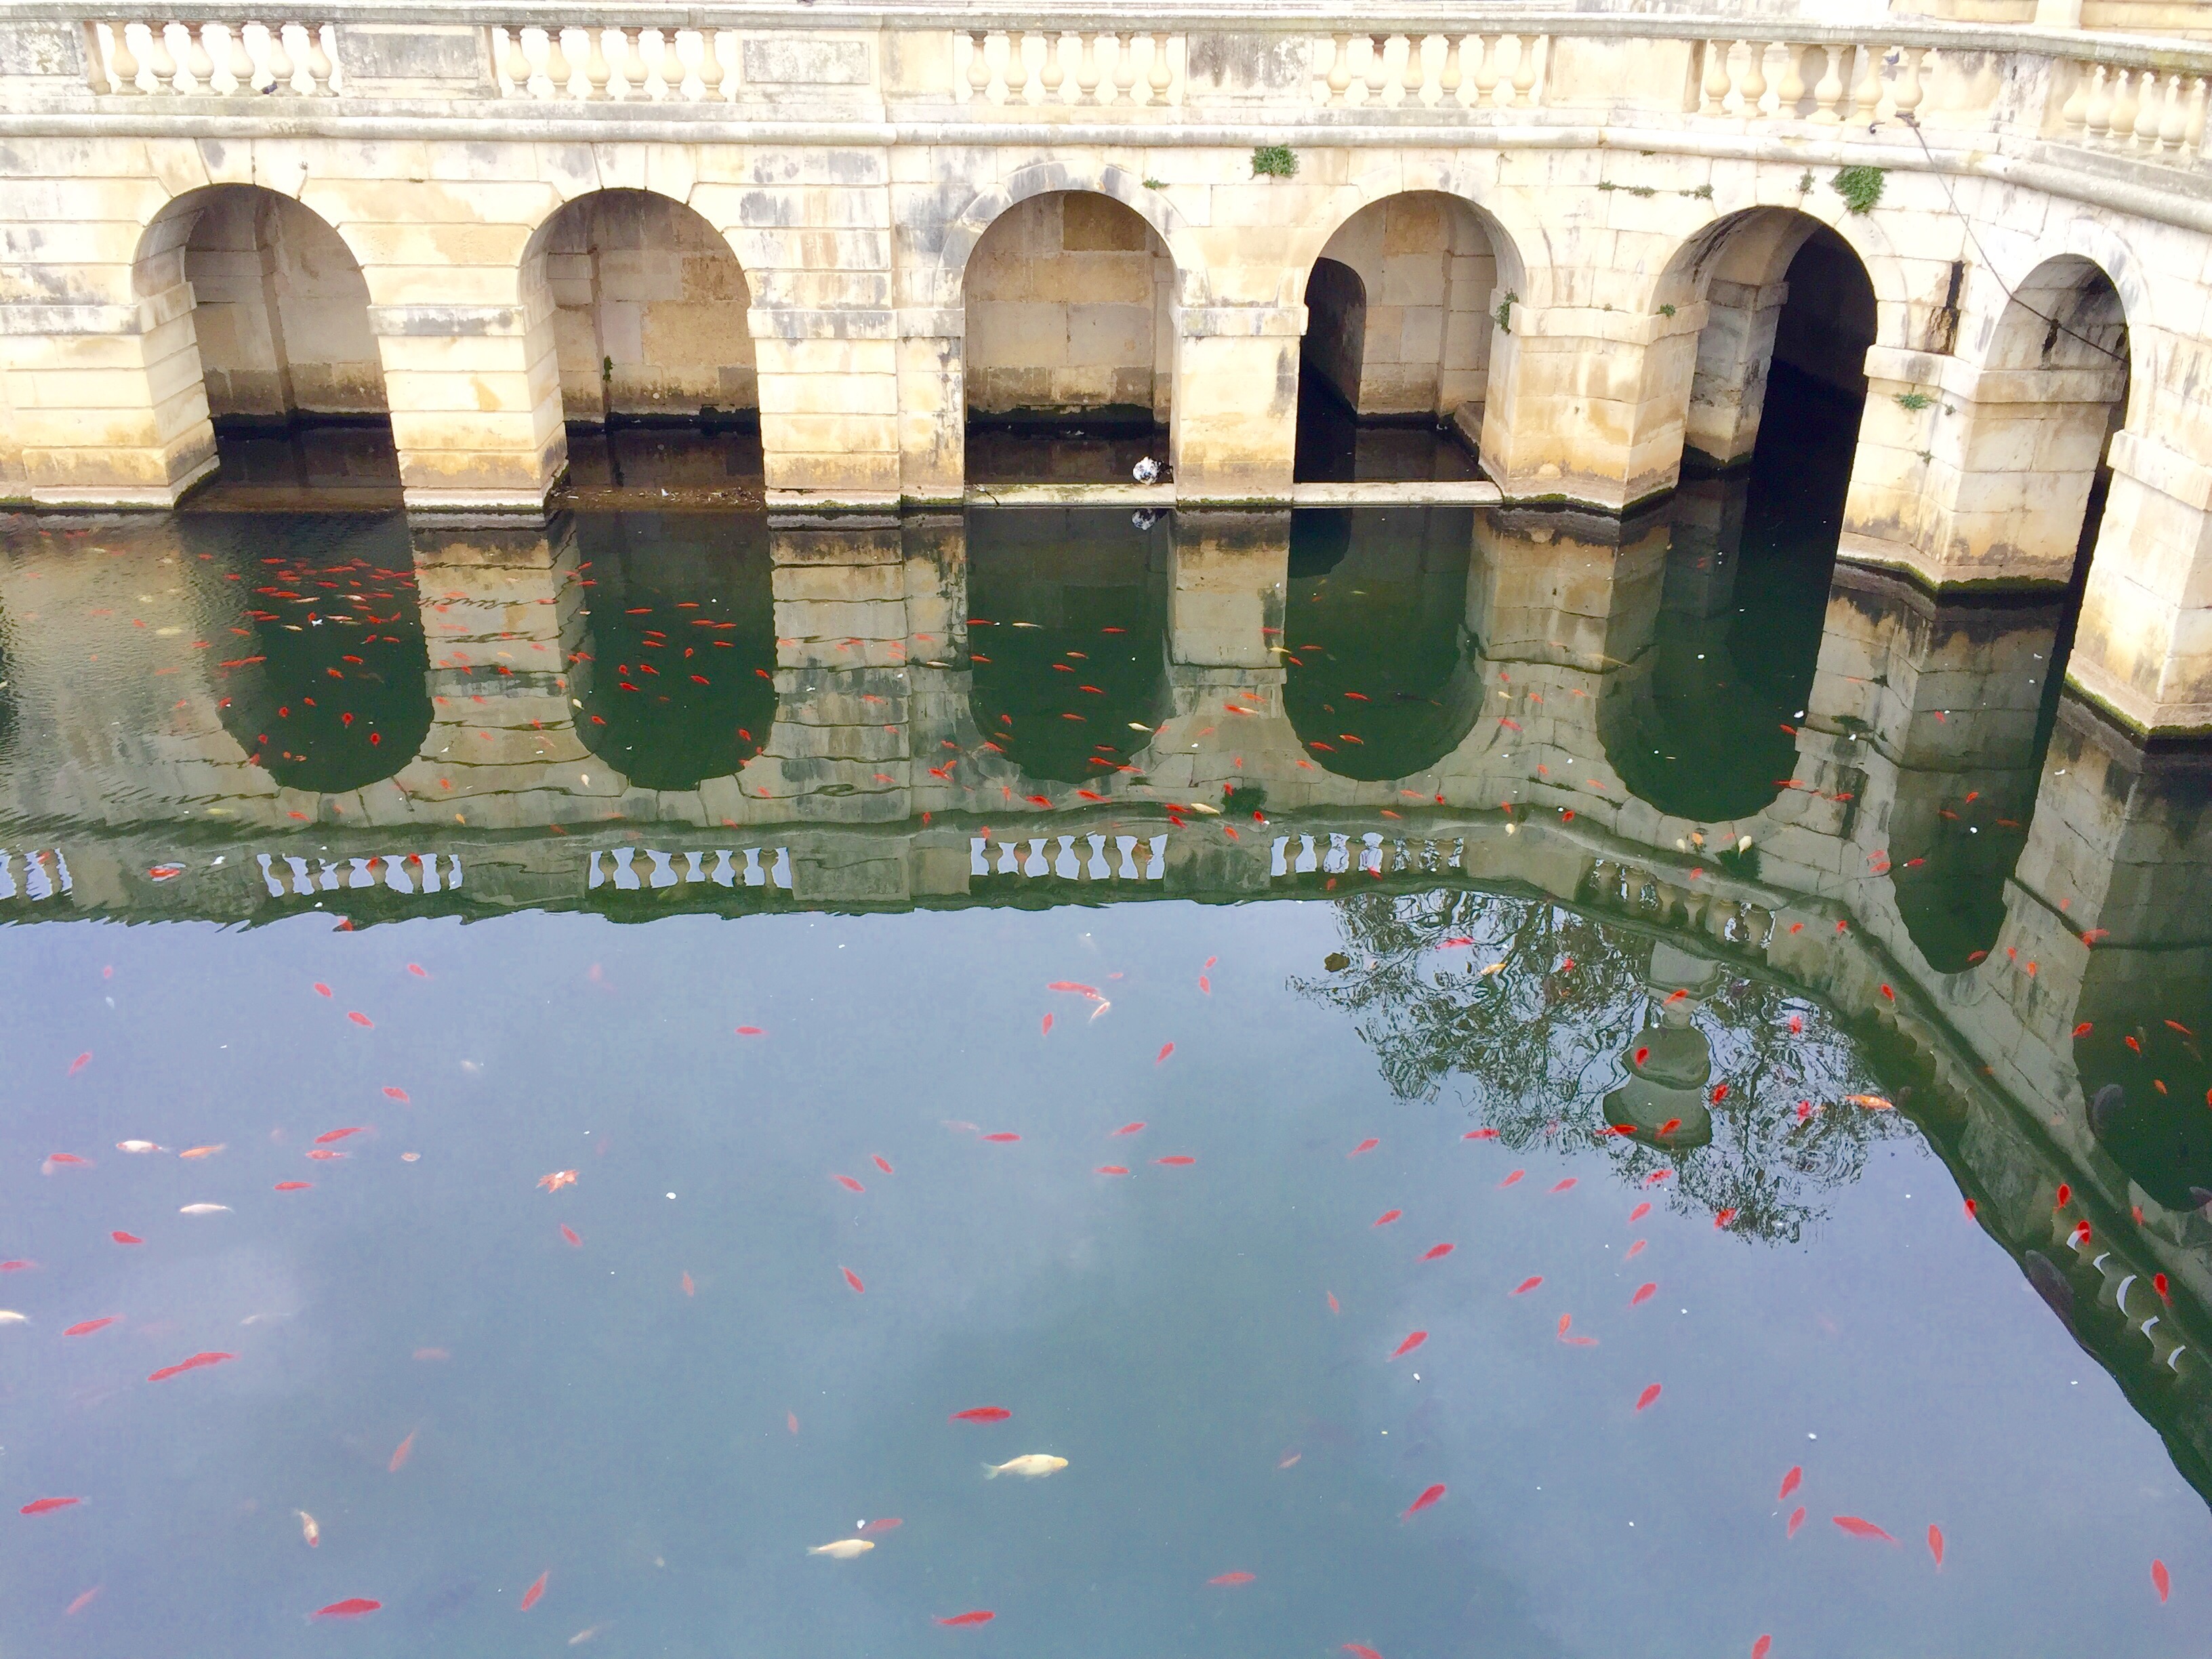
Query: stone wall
x,y
281,310
650,310
1066,294
1424,271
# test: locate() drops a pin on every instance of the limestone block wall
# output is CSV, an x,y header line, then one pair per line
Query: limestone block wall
x,y
1424,271
651,306
281,311
1068,300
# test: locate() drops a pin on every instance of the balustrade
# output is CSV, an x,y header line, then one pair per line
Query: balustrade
x,y
1035,68
2138,111
186,59
659,66
1431,71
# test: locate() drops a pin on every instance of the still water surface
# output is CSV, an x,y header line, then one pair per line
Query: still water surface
x,y
829,962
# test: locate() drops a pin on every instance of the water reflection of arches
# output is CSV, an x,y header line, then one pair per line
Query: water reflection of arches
x,y
1397,341
327,692
672,678
1067,612
1380,680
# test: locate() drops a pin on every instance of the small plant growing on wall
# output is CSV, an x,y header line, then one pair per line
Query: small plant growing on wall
x,y
1860,187
1156,184
1505,314
1274,161
1804,184
1913,402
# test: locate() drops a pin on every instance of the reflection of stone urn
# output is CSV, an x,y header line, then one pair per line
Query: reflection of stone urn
x,y
1670,1063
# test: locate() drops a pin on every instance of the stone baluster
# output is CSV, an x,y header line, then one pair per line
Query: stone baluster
x,y
1717,78
1447,78
710,65
1086,71
2096,115
978,67
597,70
1125,67
121,62
1339,67
1017,67
1376,78
160,59
2192,129
1412,80
2073,115
1791,92
2157,101
1486,72
319,67
236,60
1753,87
1828,95
1906,100
1162,70
281,68
1053,74
558,69
2121,130
635,73
514,62
1524,69
197,64
1866,97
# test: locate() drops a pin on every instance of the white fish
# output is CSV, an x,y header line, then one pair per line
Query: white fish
x,y
308,1530
204,1209
138,1147
1031,1465
10,1316
1200,806
844,1549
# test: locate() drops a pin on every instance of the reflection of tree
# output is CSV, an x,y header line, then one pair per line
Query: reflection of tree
x,y
1544,1044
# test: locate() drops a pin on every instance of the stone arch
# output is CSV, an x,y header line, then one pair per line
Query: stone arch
x,y
1049,178
643,305
1506,237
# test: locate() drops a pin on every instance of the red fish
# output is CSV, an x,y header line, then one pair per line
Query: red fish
x,y
885,1524
126,1238
330,1135
689,1287
1670,1126
1003,1137
848,1183
1639,1213
1561,1187
1366,1146
2065,1195
1935,1544
854,1279
1510,1179
1859,1529
1130,1129
790,1421
1331,1295
1797,1520
973,1616
981,1414
1205,985
1361,1651
1790,1481
558,1179
1110,1169
354,1607
68,1157
359,1019
751,1030
1410,1343
16,1267
1046,1028
1072,985
883,1163
324,1155
1722,1217
570,1235
399,1094
1656,1176
417,970
1436,1252
293,1186
1433,1495
1166,1048
1651,1393
197,1362
1758,1649
403,1452
82,1601
91,1325
537,1588
1230,1580
1526,1285
1388,1216
2084,1028
1636,1249
1480,1134
48,1505
2159,1580
321,989
1178,1162
1644,1293
79,1062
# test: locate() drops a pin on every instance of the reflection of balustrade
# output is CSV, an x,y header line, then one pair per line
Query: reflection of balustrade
x,y
40,881
1070,865
204,59
1332,855
618,869
399,874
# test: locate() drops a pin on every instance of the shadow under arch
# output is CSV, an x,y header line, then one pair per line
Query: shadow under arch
x,y
331,692
1380,680
673,675
1068,626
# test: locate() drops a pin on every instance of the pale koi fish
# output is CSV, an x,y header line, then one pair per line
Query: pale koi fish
x,y
1033,1465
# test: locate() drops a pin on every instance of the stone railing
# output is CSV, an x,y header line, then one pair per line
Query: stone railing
x,y
134,56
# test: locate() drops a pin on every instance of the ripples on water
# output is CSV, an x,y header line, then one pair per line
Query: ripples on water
x,y
714,859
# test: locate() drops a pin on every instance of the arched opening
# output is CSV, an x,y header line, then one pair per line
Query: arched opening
x,y
283,359
649,311
1397,358
1067,612
672,679
330,694
1069,363
1379,676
